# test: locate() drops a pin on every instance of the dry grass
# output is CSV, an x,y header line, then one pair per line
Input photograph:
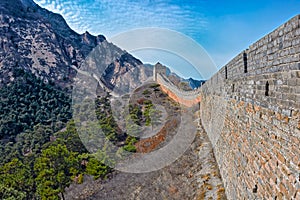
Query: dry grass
x,y
205,177
221,193
209,186
149,144
201,193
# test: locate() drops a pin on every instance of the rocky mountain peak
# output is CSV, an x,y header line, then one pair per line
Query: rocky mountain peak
x,y
92,40
41,42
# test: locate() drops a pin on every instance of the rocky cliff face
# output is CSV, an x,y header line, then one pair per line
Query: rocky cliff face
x,y
41,42
125,73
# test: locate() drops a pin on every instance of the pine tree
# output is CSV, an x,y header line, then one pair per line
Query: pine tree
x,y
55,170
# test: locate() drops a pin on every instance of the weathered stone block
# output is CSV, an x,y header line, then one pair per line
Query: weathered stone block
x,y
292,82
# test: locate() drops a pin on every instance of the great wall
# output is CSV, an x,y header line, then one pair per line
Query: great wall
x,y
250,112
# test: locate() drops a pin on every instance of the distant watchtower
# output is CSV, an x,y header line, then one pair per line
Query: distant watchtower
x,y
158,68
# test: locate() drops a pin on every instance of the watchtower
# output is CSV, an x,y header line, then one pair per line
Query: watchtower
x,y
158,68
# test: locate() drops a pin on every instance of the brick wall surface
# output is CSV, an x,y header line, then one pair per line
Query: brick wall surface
x,y
252,117
250,110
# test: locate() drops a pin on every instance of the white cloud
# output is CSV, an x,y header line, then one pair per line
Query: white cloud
x,y
112,17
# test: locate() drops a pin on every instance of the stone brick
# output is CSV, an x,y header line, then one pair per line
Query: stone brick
x,y
292,82
260,137
284,190
280,158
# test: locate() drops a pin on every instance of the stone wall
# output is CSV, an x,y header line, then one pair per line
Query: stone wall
x,y
187,98
158,69
250,111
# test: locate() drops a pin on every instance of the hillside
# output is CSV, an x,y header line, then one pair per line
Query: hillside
x,y
35,41
41,152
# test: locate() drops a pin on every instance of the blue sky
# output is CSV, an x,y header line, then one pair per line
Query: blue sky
x,y
222,28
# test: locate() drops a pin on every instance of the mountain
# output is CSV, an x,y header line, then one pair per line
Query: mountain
x,y
40,42
40,56
195,83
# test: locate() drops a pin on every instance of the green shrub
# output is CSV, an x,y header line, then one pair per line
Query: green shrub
x,y
96,168
80,179
130,148
146,92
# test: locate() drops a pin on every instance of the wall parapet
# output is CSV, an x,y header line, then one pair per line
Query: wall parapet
x,y
189,95
187,98
250,110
